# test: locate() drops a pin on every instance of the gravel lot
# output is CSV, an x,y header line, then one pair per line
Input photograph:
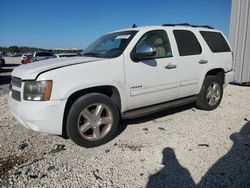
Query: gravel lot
x,y
184,147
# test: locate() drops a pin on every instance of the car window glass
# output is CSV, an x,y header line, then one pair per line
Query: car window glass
x,y
187,43
157,39
111,44
215,41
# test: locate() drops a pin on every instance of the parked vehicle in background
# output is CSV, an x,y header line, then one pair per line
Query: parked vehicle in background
x,y
27,60
2,61
24,57
124,74
66,55
38,56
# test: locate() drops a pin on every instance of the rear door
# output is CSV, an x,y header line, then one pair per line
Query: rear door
x,y
192,62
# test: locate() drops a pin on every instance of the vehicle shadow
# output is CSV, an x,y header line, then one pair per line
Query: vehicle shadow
x,y
232,170
127,122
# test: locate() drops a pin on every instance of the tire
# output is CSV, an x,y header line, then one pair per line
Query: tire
x,y
214,86
87,115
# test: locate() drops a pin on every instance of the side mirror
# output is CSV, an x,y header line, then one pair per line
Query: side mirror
x,y
144,52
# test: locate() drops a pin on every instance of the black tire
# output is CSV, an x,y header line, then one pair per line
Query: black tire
x,y
75,118
203,101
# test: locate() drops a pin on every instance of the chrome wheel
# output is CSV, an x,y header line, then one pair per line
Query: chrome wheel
x,y
213,93
95,121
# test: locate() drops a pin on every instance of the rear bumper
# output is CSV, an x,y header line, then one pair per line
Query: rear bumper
x,y
229,77
41,116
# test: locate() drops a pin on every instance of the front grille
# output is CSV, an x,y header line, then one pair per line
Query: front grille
x,y
16,95
16,81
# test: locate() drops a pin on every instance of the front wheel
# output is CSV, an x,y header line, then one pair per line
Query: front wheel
x,y
211,93
92,120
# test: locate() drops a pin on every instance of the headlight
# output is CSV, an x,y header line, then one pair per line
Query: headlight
x,y
37,90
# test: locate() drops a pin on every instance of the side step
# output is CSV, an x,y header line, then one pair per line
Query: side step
x,y
157,108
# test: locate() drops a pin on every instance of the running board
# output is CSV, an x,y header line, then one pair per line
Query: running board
x,y
157,108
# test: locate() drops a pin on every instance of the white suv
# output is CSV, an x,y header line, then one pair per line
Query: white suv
x,y
124,74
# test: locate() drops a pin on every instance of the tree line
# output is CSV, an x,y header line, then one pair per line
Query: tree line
x,y
26,49
17,49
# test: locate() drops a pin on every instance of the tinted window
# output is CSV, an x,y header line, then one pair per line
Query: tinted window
x,y
215,41
159,40
187,43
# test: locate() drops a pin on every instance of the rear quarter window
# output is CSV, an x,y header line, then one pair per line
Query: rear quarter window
x,y
187,43
215,41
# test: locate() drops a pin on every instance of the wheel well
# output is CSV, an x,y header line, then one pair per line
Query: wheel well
x,y
109,91
219,72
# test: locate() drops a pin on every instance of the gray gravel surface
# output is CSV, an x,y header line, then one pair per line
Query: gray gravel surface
x,y
183,147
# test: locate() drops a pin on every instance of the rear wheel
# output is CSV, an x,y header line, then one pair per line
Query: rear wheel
x,y
92,120
211,93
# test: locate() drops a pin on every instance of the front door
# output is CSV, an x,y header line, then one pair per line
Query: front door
x,y
154,80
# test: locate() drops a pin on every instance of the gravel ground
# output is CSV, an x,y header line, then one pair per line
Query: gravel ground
x,y
183,147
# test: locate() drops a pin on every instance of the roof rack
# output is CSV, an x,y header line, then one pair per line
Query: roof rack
x,y
188,25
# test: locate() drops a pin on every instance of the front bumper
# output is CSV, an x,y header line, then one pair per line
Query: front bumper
x,y
41,116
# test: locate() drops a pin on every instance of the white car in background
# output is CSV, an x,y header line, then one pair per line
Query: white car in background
x,y
25,56
42,55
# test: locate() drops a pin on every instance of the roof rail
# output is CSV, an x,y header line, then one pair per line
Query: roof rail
x,y
188,25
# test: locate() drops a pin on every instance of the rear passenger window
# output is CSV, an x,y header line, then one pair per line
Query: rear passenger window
x,y
215,41
187,43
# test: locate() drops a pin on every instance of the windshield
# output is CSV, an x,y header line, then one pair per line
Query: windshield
x,y
110,45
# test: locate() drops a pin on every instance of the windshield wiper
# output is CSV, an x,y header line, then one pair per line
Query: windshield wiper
x,y
91,54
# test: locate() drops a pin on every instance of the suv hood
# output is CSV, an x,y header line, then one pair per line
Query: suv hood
x,y
30,71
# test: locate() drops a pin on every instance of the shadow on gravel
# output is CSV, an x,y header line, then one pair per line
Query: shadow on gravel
x,y
240,84
143,119
232,170
126,122
172,175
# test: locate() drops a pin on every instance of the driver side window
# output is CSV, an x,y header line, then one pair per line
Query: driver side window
x,y
159,40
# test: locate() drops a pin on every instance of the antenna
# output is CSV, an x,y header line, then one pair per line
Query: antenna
x,y
134,26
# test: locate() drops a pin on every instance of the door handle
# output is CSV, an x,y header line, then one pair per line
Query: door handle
x,y
170,66
203,61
